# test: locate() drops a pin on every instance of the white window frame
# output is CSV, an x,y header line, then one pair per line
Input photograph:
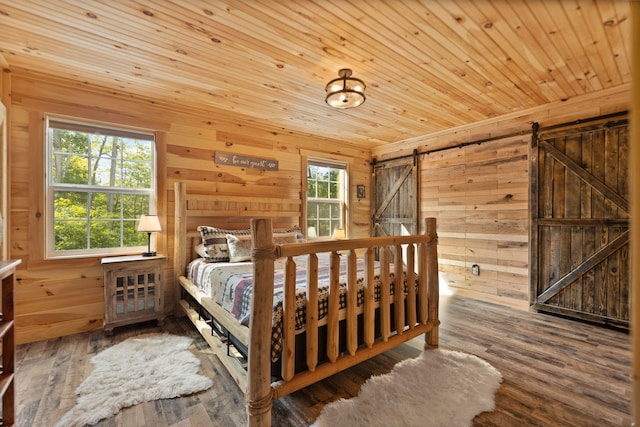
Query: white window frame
x,y
51,188
343,194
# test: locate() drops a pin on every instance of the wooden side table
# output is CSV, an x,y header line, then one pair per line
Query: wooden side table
x,y
133,290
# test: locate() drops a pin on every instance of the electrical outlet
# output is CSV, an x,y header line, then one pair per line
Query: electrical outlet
x,y
475,269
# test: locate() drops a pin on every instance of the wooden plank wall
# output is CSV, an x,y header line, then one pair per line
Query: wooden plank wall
x,y
62,297
480,195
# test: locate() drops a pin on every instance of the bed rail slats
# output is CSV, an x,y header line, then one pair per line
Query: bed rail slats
x,y
412,311
369,293
312,312
385,288
289,320
333,346
352,300
398,295
422,283
411,287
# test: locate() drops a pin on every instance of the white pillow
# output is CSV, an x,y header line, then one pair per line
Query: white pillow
x,y
201,250
239,248
240,245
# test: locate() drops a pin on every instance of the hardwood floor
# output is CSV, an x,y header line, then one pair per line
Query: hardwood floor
x,y
557,372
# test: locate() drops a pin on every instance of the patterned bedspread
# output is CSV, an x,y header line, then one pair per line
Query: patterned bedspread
x,y
230,285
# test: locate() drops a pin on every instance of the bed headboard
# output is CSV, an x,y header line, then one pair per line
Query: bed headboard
x,y
222,211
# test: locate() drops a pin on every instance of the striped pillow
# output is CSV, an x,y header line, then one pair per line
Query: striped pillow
x,y
215,242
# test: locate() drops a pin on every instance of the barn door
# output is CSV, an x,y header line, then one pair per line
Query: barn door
x,y
395,192
580,221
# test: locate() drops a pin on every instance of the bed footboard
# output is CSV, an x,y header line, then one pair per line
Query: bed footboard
x,y
420,297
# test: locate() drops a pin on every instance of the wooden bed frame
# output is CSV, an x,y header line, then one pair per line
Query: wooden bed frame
x,y
415,314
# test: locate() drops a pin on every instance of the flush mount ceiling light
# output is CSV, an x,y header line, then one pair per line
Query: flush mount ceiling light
x,y
345,91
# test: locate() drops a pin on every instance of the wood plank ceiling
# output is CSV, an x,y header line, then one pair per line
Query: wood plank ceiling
x,y
429,65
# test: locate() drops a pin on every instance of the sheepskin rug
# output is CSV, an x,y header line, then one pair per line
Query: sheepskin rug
x,y
438,388
139,369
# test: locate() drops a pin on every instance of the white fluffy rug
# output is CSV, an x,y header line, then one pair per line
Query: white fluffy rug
x,y
140,369
438,388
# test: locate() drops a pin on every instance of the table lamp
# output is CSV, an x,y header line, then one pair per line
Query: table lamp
x,y
338,234
149,224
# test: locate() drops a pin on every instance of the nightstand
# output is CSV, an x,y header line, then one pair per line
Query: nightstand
x,y
133,290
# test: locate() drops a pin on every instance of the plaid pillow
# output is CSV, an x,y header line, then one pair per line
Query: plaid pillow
x,y
215,242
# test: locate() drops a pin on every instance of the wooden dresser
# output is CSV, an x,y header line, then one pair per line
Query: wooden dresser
x,y
7,335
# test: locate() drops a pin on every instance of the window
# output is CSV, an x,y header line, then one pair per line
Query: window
x,y
99,181
326,195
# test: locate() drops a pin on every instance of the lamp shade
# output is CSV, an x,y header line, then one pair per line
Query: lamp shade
x,y
149,224
338,234
345,91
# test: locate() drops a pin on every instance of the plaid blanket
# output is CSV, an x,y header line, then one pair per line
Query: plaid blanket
x,y
230,285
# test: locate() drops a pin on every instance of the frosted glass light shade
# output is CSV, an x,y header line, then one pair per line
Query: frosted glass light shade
x,y
345,91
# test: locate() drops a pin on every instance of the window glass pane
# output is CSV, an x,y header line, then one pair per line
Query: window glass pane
x,y
334,191
105,205
312,187
135,174
323,190
121,163
103,172
131,237
66,141
69,169
70,205
312,210
312,172
104,234
324,228
134,205
335,211
70,234
323,210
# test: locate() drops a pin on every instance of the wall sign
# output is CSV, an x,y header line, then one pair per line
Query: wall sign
x,y
245,161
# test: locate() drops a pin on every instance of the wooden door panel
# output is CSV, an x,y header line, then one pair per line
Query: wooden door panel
x,y
580,221
395,197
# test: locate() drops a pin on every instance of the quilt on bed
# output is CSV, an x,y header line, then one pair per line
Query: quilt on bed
x,y
230,285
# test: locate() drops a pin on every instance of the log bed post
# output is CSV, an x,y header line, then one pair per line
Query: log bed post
x,y
179,233
259,394
433,285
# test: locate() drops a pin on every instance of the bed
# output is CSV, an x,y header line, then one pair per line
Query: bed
x,y
296,313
